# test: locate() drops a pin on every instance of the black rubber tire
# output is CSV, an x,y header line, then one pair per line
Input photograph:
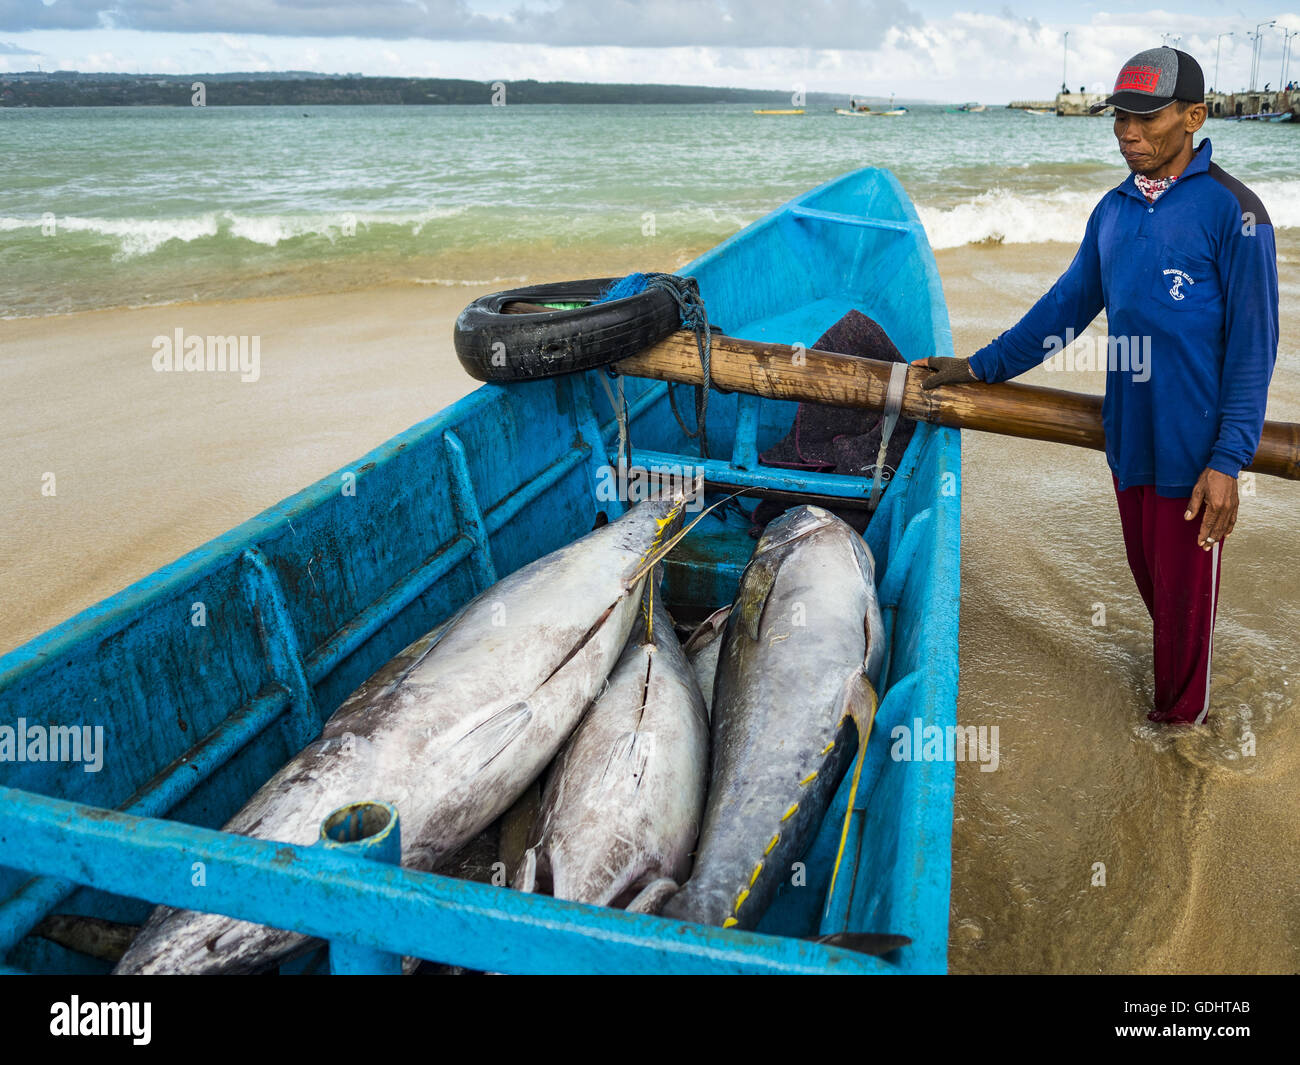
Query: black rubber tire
x,y
535,346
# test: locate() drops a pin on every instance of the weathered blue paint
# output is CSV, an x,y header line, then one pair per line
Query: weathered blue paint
x,y
388,908
744,452
755,476
278,620
465,502
370,831
275,630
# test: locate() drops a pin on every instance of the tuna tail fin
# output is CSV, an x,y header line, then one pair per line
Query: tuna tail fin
x,y
526,877
651,898
517,828
874,943
92,936
859,703
707,631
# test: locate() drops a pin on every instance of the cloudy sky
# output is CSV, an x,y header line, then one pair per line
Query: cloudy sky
x,y
932,49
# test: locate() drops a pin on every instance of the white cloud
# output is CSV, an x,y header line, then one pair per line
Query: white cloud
x,y
991,55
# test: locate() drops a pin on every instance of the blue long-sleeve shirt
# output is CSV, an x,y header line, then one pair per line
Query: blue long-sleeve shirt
x,y
1189,286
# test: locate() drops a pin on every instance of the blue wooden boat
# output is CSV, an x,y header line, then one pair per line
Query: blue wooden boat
x,y
301,604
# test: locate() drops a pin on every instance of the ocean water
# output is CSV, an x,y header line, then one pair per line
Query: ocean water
x,y
128,207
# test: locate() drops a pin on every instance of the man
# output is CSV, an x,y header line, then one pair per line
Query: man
x,y
1181,256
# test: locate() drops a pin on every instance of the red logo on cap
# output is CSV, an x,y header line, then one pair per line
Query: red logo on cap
x,y
1138,79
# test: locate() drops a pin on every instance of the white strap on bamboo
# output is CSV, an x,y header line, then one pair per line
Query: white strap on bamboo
x,y
893,407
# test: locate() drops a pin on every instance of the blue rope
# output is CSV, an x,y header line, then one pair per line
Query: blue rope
x,y
632,285
685,292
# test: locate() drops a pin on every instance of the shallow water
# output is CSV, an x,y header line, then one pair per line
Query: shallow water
x,y
1195,835
128,206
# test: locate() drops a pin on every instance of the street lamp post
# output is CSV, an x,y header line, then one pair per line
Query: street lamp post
x,y
1218,50
1257,52
1287,36
1065,58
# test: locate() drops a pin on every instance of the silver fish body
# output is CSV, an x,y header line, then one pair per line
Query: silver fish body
x,y
453,739
622,805
801,652
702,650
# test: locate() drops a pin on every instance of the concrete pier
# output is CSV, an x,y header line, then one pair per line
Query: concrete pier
x,y
1219,104
1240,104
1077,103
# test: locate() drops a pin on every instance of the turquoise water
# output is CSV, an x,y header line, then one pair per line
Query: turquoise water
x,y
112,207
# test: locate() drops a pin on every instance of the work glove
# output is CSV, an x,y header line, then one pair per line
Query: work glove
x,y
947,371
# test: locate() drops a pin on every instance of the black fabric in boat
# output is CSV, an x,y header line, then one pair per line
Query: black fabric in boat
x,y
835,440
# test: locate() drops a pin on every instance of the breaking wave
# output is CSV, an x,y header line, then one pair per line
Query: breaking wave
x,y
1003,216
136,237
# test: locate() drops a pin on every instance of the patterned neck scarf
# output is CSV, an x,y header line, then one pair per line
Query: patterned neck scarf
x,y
1151,188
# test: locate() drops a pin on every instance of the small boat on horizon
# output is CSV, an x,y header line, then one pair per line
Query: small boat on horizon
x,y
1263,116
781,111
857,110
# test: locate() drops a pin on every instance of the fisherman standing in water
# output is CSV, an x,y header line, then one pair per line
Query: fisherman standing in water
x,y
1181,256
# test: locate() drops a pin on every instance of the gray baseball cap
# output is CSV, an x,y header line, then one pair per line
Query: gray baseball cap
x,y
1154,79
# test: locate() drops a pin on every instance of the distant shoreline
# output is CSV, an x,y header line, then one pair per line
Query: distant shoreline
x,y
296,89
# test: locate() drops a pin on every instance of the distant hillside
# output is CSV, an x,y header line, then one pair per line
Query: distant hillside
x,y
303,89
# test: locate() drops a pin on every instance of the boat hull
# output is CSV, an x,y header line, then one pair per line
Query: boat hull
x,y
306,601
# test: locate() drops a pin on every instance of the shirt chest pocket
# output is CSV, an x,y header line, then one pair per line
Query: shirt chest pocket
x,y
1183,283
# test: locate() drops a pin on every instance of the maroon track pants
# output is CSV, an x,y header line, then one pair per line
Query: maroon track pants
x,y
1179,582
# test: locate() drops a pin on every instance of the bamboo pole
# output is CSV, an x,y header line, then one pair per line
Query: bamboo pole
x,y
779,371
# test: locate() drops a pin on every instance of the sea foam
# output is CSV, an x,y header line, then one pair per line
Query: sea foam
x,y
1004,216
136,237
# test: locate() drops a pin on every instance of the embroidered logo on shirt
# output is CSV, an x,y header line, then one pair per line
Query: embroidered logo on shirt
x,y
1176,289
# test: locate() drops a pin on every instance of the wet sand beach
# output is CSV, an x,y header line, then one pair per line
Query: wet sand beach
x,y
1104,843
148,465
